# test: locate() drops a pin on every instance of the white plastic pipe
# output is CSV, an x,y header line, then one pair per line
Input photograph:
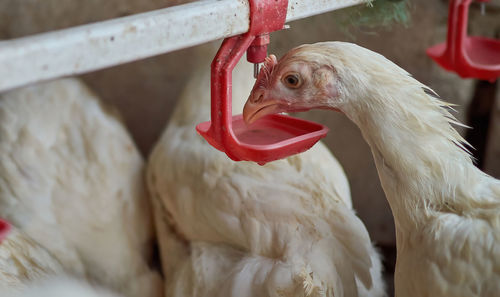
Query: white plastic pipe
x,y
99,45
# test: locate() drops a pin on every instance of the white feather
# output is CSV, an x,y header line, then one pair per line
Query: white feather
x,y
57,287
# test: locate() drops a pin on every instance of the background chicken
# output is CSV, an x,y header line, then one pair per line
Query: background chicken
x,y
447,212
71,179
238,229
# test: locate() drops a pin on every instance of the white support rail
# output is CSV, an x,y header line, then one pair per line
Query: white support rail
x,y
99,45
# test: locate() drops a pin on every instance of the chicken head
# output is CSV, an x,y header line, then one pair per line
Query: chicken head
x,y
298,82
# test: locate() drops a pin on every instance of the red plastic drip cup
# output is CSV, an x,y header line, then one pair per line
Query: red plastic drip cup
x,y
272,137
4,229
468,56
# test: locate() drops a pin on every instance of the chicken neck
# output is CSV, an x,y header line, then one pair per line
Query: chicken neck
x,y
420,158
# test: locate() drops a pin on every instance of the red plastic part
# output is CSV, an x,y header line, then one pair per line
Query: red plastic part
x,y
468,56
272,137
4,229
257,51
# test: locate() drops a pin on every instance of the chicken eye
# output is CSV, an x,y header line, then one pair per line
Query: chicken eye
x,y
292,80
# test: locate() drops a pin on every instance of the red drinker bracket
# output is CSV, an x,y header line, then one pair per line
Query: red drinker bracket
x,y
272,137
468,56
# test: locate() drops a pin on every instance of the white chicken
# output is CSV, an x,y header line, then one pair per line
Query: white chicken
x,y
57,287
72,180
238,229
23,260
446,211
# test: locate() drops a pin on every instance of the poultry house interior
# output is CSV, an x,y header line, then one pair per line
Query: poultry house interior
x,y
90,163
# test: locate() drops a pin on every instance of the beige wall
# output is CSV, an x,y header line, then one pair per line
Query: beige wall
x,y
145,92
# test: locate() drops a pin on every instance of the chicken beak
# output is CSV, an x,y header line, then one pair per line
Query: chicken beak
x,y
257,107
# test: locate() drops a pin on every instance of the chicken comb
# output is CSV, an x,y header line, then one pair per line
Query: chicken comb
x,y
270,61
266,70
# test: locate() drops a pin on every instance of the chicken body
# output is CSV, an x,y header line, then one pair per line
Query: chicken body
x,y
238,229
446,211
72,180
